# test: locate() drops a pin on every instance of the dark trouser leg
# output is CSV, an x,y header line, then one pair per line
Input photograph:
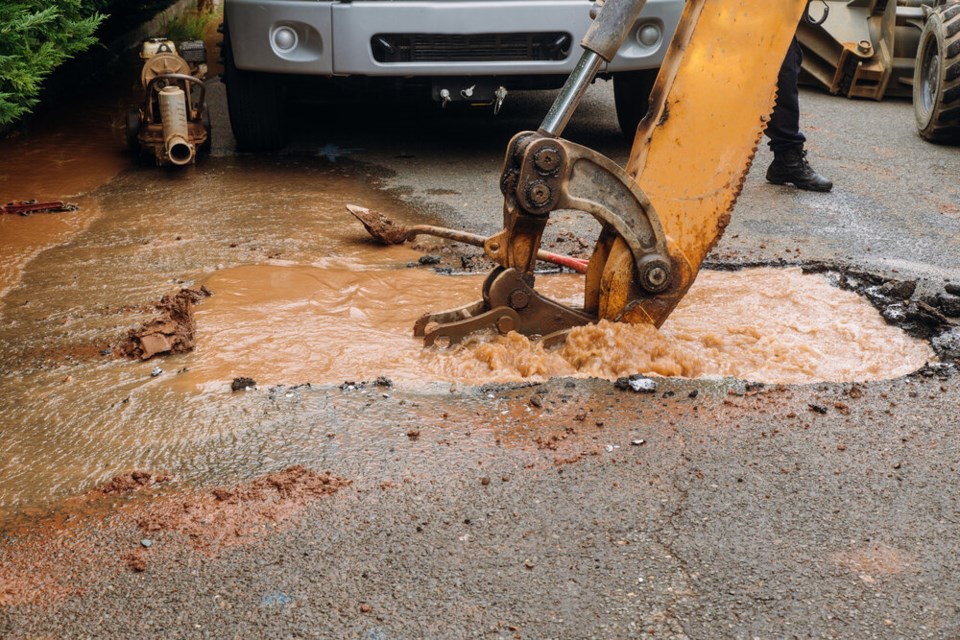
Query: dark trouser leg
x,y
790,164
784,127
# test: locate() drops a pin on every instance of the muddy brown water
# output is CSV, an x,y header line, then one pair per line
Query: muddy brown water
x,y
60,155
324,325
302,296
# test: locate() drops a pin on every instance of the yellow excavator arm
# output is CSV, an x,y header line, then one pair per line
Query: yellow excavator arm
x,y
663,212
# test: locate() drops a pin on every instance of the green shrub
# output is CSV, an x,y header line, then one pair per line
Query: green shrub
x,y
190,25
36,36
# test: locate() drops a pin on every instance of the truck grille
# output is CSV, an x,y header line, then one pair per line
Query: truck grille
x,y
479,47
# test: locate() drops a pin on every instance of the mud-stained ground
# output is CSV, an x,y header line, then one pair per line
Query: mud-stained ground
x,y
146,495
578,510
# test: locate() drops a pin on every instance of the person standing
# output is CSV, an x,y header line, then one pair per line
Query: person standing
x,y
790,164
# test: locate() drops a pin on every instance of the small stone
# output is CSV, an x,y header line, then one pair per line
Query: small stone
x,y
365,608
428,260
953,289
242,384
637,383
413,434
156,372
947,345
817,408
949,305
528,563
898,289
694,393
146,543
105,352
638,442
485,480
536,401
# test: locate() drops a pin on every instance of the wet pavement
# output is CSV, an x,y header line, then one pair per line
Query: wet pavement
x,y
555,507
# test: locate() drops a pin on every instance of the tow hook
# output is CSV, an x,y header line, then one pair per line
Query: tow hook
x,y
501,95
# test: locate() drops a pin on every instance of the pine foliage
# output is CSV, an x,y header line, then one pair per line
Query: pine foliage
x,y
36,36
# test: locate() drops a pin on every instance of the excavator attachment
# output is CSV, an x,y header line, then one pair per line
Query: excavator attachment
x,y
663,212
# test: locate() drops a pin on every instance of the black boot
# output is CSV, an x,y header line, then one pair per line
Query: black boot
x,y
790,166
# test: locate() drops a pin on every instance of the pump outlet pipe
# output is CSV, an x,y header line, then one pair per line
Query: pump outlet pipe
x,y
173,114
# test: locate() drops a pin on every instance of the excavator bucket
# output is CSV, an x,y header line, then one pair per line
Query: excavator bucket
x,y
709,107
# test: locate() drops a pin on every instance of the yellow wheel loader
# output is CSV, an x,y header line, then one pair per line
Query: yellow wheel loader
x,y
661,213
877,48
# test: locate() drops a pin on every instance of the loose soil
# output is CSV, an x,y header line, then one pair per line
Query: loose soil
x,y
172,332
50,558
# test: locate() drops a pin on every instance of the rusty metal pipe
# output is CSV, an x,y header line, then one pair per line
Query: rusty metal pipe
x,y
176,136
388,232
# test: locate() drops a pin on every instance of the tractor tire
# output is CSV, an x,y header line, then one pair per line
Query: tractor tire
x,y
936,78
256,103
631,95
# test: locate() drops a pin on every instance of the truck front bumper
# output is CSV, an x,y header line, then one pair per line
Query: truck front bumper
x,y
335,38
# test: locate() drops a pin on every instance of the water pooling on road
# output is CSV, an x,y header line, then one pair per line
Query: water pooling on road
x,y
286,324
64,156
300,295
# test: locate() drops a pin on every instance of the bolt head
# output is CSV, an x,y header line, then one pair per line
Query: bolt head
x,y
546,160
519,299
538,194
654,275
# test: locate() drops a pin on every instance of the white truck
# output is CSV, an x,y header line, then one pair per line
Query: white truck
x,y
452,50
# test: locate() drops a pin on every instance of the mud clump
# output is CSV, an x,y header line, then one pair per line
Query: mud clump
x,y
242,384
231,515
171,332
136,561
132,481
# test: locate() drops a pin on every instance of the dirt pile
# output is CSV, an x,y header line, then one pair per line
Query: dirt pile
x,y
45,560
132,481
232,514
171,332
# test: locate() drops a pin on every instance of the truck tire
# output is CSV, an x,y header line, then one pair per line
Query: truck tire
x,y
133,129
936,77
256,102
631,95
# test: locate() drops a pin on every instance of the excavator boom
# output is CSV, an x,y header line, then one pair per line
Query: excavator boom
x,y
663,212
708,111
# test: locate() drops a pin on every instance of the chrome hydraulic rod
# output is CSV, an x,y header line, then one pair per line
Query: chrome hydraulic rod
x,y
566,103
614,21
